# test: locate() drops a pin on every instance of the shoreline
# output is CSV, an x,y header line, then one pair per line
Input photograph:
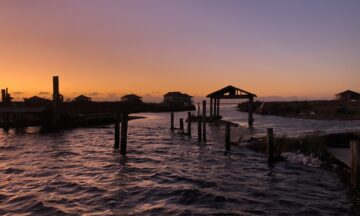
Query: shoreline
x,y
315,110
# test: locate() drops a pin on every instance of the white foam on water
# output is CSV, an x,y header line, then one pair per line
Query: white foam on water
x,y
308,160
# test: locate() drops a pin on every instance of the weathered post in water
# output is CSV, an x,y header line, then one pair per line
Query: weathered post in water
x,y
270,145
215,109
227,137
182,124
204,120
250,111
124,129
199,129
172,121
218,108
355,163
189,124
117,131
57,98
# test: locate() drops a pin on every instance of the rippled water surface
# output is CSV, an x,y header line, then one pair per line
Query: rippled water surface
x,y
76,172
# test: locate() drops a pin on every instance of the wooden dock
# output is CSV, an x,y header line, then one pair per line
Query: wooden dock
x,y
341,154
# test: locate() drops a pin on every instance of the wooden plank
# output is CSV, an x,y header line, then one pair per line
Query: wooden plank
x,y
232,97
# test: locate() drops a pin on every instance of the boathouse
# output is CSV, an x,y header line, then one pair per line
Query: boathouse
x,y
230,92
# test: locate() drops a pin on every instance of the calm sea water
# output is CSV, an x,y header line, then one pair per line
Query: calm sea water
x,y
76,172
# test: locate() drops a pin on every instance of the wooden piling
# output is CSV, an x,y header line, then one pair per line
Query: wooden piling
x,y
270,145
124,129
218,108
182,124
227,137
55,101
199,129
250,112
198,108
204,121
215,109
172,121
117,131
189,124
355,163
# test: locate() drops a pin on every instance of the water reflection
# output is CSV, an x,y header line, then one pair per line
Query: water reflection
x,y
164,173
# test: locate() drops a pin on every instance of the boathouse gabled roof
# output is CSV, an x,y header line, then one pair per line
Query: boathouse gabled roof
x,y
231,92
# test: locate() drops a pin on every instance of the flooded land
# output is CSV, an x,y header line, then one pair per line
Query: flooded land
x,y
76,172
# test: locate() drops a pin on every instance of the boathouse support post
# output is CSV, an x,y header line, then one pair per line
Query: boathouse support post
x,y
218,108
215,109
172,121
355,163
117,131
211,109
199,129
198,109
227,137
124,129
270,145
250,111
182,124
204,120
189,124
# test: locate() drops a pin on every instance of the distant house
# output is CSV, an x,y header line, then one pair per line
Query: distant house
x,y
131,98
82,99
178,98
37,100
348,95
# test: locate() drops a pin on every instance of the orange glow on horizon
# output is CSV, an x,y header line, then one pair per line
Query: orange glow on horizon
x,y
105,49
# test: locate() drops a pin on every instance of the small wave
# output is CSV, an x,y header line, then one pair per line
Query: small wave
x,y
13,170
193,196
308,160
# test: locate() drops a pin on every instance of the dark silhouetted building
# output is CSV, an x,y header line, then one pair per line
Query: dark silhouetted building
x,y
37,101
131,98
178,98
348,95
82,99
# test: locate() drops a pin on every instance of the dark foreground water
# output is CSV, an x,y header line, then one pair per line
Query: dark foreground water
x,y
76,172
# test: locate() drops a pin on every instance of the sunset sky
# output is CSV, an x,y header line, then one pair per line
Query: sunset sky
x,y
108,48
